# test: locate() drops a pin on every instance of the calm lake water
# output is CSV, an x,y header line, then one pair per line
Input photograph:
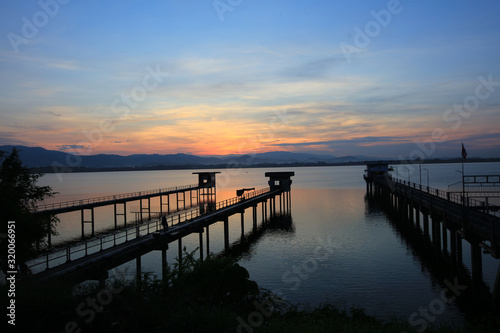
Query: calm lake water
x,y
341,248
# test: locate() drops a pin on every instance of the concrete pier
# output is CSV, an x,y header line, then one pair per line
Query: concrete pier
x,y
179,226
451,218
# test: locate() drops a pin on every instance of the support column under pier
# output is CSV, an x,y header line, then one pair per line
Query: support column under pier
x,y
270,207
254,214
242,224
142,208
201,244
164,264
91,221
496,288
436,230
208,242
453,246
149,209
163,204
179,247
403,208
124,214
477,261
263,206
445,236
281,206
426,225
411,216
226,233
460,257
138,270
417,216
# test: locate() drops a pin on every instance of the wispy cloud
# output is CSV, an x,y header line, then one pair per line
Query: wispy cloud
x,y
65,65
316,69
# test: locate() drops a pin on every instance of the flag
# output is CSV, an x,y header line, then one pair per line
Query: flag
x,y
464,152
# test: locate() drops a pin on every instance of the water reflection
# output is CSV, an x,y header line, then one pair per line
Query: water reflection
x,y
447,271
276,226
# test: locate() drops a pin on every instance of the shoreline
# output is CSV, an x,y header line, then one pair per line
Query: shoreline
x,y
229,165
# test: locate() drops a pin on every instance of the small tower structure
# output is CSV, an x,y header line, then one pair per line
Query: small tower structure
x,y
280,180
206,189
375,171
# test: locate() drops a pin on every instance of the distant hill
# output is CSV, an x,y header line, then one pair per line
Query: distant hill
x,y
40,157
284,157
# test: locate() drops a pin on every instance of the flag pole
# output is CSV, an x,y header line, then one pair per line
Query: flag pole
x,y
463,183
464,157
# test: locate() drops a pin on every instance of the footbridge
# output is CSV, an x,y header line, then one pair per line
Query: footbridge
x,y
94,257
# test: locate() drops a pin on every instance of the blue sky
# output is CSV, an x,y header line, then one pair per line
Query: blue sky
x,y
377,78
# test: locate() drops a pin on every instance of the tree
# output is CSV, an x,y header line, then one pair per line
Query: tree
x,y
19,196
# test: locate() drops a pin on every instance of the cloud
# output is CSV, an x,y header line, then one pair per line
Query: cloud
x,y
11,139
361,140
313,69
52,113
73,147
65,65
483,136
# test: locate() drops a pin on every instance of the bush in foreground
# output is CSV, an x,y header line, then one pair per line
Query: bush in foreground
x,y
216,295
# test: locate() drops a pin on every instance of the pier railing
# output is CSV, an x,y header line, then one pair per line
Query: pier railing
x,y
60,256
110,198
454,197
235,200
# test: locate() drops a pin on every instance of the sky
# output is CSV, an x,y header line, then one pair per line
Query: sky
x,y
399,79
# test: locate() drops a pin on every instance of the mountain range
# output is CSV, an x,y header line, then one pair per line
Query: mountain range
x,y
40,157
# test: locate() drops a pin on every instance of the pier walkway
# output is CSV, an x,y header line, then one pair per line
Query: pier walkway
x,y
91,259
444,218
75,205
204,191
472,218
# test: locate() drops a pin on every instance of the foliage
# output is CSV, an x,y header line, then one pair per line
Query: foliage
x,y
19,196
195,296
215,295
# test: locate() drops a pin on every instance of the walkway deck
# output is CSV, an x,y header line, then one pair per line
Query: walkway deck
x,y
93,265
473,219
75,205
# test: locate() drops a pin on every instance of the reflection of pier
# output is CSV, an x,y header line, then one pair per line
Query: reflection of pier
x,y
475,298
157,237
280,223
444,218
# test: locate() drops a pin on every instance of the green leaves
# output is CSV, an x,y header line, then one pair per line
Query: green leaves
x,y
19,196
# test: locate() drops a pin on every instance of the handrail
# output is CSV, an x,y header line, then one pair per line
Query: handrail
x,y
107,241
455,197
110,198
235,200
